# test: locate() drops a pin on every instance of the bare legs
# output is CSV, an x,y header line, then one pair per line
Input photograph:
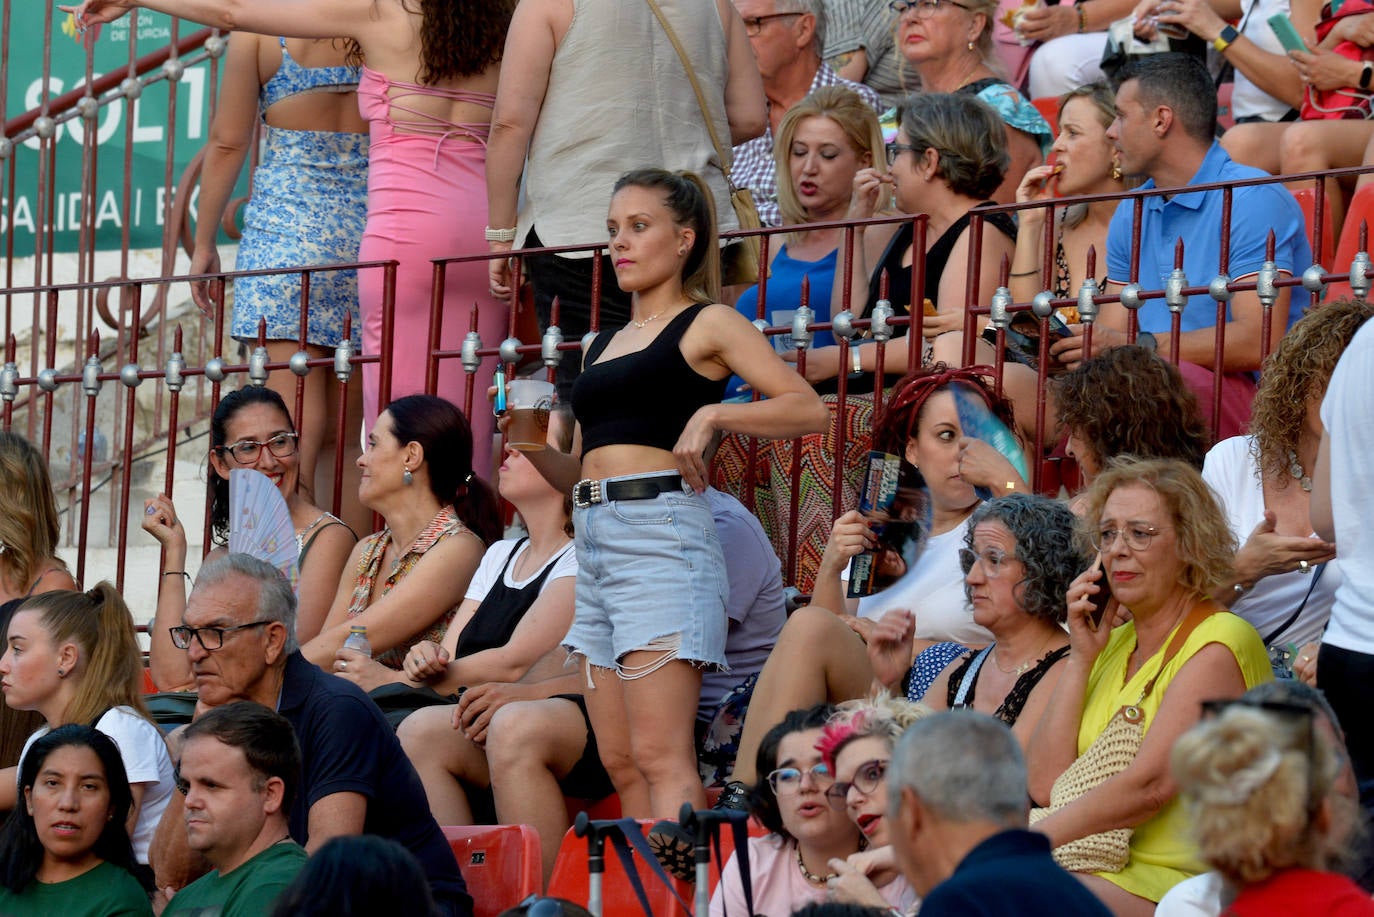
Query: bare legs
x,y
817,659
442,757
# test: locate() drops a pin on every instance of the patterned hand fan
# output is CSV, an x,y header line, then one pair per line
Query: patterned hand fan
x,y
260,522
977,421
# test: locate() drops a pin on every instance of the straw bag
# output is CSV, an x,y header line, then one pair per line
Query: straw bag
x,y
739,261
1109,754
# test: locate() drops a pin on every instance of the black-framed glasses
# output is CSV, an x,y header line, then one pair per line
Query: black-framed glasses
x,y
754,24
896,149
210,638
787,780
924,8
866,779
1136,535
246,451
991,560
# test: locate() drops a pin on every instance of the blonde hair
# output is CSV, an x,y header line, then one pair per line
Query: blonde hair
x,y
1254,782
1204,542
692,206
853,116
883,715
100,625
29,527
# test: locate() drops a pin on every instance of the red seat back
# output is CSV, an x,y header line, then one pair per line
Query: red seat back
x,y
570,881
501,864
1361,208
1048,106
1307,200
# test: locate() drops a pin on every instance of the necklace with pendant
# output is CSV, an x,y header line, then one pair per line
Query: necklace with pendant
x,y
641,324
808,875
1298,472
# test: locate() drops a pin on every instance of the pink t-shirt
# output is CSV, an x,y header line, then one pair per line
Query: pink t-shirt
x,y
779,886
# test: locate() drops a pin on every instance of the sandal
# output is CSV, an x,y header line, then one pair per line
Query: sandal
x,y
734,796
674,849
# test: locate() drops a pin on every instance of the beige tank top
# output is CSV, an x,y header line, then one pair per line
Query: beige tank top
x,y
618,99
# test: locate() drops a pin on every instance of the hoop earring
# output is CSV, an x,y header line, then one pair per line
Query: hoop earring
x,y
407,478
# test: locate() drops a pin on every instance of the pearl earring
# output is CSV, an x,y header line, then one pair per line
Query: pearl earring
x,y
970,46
407,478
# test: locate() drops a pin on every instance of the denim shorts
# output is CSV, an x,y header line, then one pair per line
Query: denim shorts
x,y
649,570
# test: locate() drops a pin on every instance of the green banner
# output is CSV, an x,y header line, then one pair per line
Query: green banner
x,y
151,141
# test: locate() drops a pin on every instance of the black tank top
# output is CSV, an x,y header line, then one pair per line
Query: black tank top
x,y
501,611
643,398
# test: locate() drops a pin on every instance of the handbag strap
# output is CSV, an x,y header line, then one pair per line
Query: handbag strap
x,y
1316,575
722,152
1201,612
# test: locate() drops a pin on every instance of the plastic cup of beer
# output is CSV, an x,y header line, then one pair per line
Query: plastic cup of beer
x,y
528,401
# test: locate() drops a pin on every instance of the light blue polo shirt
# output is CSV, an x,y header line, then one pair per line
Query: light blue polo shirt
x,y
1196,218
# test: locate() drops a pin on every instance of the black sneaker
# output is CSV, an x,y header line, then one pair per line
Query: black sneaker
x,y
674,849
734,796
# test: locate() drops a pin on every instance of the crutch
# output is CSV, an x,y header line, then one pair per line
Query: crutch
x,y
595,833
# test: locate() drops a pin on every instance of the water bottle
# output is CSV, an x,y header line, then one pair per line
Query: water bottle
x,y
357,640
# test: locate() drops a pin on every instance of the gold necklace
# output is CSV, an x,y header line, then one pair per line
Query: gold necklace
x,y
1019,670
811,877
646,321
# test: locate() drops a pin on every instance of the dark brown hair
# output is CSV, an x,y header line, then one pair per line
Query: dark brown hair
x,y
457,37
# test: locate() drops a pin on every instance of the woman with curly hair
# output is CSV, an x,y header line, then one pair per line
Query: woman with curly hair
x,y
1262,783
1128,401
1019,557
1160,648
428,84
1285,577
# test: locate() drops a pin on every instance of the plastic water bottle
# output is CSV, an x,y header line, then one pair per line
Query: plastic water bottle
x,y
357,640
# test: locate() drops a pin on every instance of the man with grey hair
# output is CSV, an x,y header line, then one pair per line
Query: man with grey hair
x,y
787,37
958,809
238,631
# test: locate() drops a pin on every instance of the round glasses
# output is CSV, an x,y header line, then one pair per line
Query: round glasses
x,y
246,451
1137,537
787,780
866,780
991,561
924,9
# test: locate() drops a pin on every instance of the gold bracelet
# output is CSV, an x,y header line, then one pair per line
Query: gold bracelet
x,y
1082,17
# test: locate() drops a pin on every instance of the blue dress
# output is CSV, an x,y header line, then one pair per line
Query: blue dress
x,y
309,206
784,296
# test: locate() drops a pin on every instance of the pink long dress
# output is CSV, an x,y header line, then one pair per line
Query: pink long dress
x,y
427,198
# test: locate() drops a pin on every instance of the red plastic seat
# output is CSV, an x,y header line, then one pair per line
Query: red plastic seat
x,y
1307,200
1048,106
1361,208
501,864
570,881
1226,118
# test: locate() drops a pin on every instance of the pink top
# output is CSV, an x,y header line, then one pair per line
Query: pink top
x,y
379,97
779,886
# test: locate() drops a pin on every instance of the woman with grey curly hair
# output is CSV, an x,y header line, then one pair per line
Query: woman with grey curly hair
x,y
1021,555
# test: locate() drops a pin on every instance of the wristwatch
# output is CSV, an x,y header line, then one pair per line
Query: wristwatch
x,y
1147,340
1366,73
1223,41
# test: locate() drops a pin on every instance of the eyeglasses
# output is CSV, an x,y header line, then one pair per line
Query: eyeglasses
x,y
246,451
1137,537
786,780
210,638
896,149
924,8
866,780
990,560
754,24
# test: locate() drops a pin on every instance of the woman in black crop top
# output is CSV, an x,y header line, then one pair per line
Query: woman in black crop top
x,y
949,157
650,597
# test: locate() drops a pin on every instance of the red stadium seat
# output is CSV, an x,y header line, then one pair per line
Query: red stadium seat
x,y
501,864
1048,106
1307,199
1361,208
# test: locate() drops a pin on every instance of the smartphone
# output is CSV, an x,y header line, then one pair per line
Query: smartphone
x,y
1100,598
1286,33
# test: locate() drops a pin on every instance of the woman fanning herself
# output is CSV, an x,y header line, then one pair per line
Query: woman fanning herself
x,y
856,747
28,564
65,850
1086,162
309,205
1020,557
824,141
948,159
650,597
427,88
250,429
405,583
73,657
790,867
1163,546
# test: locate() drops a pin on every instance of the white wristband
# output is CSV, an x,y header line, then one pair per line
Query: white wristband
x,y
855,359
500,235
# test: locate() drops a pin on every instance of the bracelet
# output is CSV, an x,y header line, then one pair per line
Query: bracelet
x,y
178,573
856,360
1082,17
499,235
1365,74
1034,270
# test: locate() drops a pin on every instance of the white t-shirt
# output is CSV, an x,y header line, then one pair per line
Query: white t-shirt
x,y
934,592
564,564
1247,99
1348,415
145,760
1199,896
1231,471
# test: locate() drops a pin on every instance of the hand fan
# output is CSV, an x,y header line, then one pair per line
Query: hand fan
x,y
260,522
977,421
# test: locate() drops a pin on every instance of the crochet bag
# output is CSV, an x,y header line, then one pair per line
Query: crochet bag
x,y
1109,754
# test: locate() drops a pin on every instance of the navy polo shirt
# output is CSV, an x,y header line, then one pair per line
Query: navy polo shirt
x,y
1011,874
1196,218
